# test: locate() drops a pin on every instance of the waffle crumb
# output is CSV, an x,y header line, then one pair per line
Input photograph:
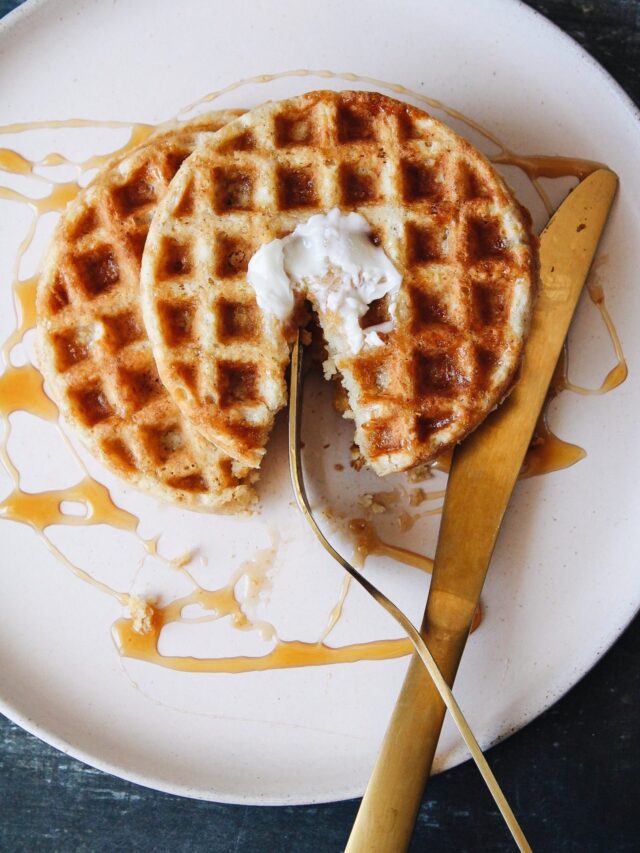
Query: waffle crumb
x,y
420,474
141,611
417,496
369,502
357,460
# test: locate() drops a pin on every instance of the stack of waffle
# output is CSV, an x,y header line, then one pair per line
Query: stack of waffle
x,y
150,336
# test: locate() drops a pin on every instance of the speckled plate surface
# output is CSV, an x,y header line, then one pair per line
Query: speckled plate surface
x,y
564,580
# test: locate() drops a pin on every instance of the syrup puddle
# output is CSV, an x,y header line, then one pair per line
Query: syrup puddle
x,y
21,389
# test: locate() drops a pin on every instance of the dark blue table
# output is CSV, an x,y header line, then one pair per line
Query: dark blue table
x,y
573,775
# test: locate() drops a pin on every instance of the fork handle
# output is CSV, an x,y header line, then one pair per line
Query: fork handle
x,y
387,815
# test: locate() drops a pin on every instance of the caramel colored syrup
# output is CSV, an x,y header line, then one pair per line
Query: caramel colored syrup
x,y
367,541
338,607
286,654
56,201
545,166
547,451
536,166
42,509
221,603
619,372
25,301
21,389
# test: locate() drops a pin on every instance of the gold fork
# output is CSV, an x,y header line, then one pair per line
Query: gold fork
x,y
295,466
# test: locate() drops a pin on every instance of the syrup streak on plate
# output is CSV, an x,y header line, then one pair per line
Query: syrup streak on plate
x,y
21,389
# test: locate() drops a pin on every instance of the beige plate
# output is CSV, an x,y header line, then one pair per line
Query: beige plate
x,y
564,581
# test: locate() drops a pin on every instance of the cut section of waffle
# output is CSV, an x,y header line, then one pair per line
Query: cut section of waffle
x,y
442,214
92,345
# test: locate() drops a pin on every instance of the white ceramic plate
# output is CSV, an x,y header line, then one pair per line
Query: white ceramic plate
x,y
564,581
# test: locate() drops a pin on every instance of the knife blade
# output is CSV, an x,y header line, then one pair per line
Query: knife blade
x,y
483,474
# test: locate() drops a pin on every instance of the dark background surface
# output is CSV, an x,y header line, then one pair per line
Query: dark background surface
x,y
572,776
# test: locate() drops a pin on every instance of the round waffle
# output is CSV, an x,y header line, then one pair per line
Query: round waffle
x,y
92,345
443,216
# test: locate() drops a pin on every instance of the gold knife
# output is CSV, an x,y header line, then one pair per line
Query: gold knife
x,y
484,471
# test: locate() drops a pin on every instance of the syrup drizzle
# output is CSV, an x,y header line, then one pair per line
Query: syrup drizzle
x,y
21,388
42,509
284,655
367,541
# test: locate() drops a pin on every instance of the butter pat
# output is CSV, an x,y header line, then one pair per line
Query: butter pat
x,y
331,260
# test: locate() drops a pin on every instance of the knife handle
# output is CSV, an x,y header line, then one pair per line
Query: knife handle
x,y
387,815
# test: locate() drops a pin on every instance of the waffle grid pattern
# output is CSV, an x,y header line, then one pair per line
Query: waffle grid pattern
x,y
93,346
439,210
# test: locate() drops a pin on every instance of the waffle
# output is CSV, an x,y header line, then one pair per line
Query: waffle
x,y
92,344
436,206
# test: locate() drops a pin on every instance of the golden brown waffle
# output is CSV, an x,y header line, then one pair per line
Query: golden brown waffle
x,y
92,344
439,210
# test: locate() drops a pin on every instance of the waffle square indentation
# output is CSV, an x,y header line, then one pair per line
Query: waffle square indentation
x,y
175,258
136,193
237,321
188,483
355,125
123,329
176,321
485,240
421,181
427,425
185,205
233,189
428,308
295,129
137,239
91,405
85,224
486,363
359,185
409,130
244,141
377,313
98,271
71,347
237,383
161,442
425,244
489,304
58,295
435,374
471,184
188,376
119,454
139,386
174,160
296,188
232,255
373,375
